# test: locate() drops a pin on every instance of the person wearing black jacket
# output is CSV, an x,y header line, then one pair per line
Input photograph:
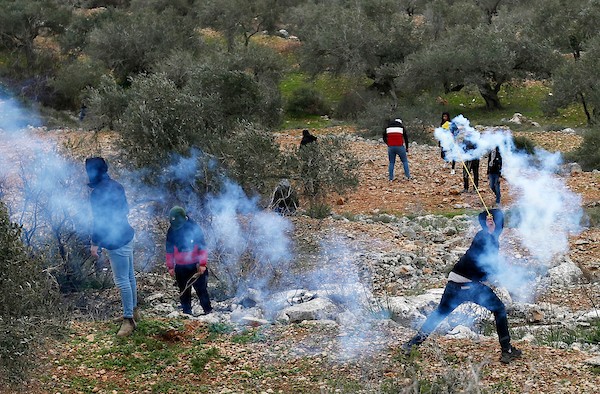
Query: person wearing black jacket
x,y
307,138
186,259
494,172
465,284
111,231
470,166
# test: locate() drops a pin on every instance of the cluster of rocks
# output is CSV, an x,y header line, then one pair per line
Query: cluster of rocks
x,y
403,286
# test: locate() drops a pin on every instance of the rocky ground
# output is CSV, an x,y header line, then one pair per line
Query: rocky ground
x,y
397,241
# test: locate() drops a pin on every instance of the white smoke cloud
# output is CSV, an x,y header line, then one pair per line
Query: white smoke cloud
x,y
544,211
252,244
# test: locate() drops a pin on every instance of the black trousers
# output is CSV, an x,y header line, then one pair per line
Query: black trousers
x,y
472,166
183,273
476,292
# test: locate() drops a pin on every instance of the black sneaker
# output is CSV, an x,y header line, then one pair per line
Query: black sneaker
x,y
407,347
510,354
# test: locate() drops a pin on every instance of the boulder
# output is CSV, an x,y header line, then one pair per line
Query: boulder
x,y
565,274
316,309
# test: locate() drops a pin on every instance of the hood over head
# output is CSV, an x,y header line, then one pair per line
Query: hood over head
x,y
97,169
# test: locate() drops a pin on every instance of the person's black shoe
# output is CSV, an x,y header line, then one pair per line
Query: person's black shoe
x,y
187,310
407,347
510,354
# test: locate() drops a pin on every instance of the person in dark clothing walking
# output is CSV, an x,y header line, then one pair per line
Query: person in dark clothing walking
x,y
307,138
396,138
187,258
111,231
465,284
470,167
445,124
495,172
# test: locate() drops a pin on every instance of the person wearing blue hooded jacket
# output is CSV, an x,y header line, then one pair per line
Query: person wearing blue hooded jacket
x,y
465,284
111,231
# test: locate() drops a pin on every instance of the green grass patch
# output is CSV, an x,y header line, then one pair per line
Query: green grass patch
x,y
141,353
202,358
332,87
217,329
83,384
249,336
569,336
164,386
306,122
523,98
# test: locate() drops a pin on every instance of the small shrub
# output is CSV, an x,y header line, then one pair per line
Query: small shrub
x,y
249,336
220,328
352,104
322,167
307,101
318,210
593,215
588,153
524,144
71,80
106,103
31,306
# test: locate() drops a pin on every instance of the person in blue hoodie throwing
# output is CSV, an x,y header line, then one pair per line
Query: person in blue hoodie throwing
x,y
465,284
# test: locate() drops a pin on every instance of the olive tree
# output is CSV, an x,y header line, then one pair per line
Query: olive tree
x,y
482,54
363,38
239,18
571,27
22,21
130,43
576,82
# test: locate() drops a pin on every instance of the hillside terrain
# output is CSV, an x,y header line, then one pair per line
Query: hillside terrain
x,y
171,354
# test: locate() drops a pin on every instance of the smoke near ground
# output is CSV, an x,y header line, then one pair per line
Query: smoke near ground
x,y
253,247
47,193
544,212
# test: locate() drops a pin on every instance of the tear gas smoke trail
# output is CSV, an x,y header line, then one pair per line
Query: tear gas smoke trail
x,y
544,211
338,279
12,115
239,227
236,223
51,188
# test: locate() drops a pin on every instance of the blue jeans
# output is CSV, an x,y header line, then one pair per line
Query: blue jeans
x,y
121,263
495,185
401,152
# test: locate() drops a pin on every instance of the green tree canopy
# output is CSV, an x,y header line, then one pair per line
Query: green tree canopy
x,y
130,43
485,55
22,21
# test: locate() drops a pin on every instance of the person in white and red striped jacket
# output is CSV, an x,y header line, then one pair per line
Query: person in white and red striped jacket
x,y
397,141
186,256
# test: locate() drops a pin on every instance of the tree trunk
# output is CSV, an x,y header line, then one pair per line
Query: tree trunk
x,y
490,95
590,121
